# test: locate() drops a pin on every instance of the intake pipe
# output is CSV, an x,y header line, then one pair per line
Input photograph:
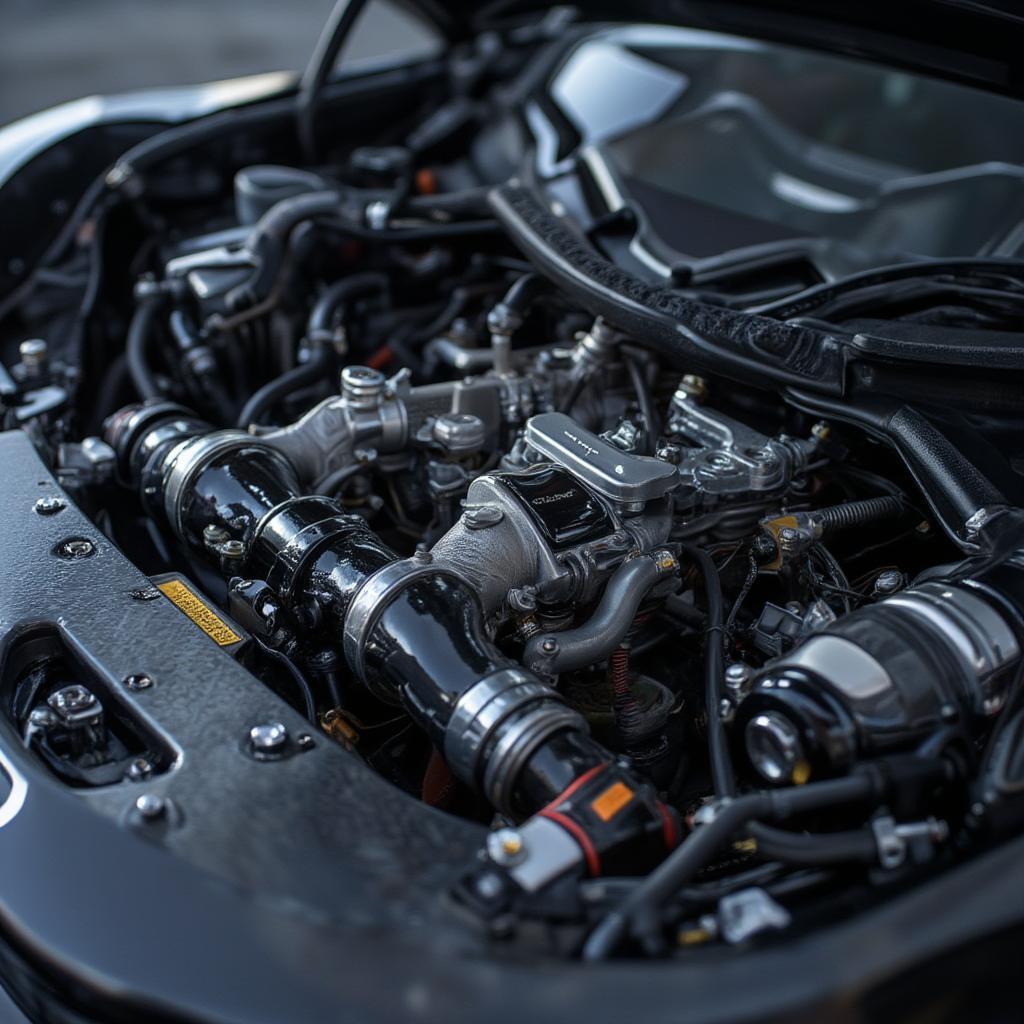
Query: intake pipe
x,y
412,631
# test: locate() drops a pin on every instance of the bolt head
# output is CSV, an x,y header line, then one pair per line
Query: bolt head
x,y
887,582
506,847
151,807
268,737
737,676
48,506
34,353
75,548
139,770
138,681
71,699
549,646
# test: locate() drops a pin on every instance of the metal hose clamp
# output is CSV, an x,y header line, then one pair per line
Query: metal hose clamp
x,y
518,741
481,709
373,596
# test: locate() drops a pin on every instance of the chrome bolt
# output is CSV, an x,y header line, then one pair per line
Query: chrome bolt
x,y
49,506
151,807
139,770
74,548
214,536
232,549
737,676
549,646
304,741
35,354
268,738
138,681
71,698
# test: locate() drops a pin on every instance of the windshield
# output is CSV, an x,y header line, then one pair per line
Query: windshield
x,y
794,144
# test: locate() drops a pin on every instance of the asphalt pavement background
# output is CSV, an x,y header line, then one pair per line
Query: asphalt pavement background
x,y
57,50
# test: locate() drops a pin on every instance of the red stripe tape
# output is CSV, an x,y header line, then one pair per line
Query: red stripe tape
x,y
589,850
668,826
574,785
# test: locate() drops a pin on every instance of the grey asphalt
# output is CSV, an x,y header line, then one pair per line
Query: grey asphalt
x,y
57,50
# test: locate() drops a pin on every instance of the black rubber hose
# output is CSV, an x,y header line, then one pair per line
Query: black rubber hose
x,y
268,242
332,482
859,513
327,308
325,55
854,846
524,292
595,640
722,775
470,202
265,398
640,909
137,347
330,306
954,487
645,400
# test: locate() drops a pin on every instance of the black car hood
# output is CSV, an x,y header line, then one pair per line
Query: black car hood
x,y
968,40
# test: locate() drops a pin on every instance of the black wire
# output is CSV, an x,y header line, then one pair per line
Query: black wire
x,y
722,774
645,401
817,296
301,683
752,570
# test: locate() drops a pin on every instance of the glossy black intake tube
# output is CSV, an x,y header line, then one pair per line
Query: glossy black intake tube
x,y
417,628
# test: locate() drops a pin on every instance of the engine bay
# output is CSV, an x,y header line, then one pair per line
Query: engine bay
x,y
591,511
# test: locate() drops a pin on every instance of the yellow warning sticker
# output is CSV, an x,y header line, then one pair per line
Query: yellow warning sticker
x,y
611,801
200,613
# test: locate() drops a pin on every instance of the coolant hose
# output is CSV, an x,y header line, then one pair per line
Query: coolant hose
x,y
138,345
572,649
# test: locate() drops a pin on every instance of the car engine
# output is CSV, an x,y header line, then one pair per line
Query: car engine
x,y
619,571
